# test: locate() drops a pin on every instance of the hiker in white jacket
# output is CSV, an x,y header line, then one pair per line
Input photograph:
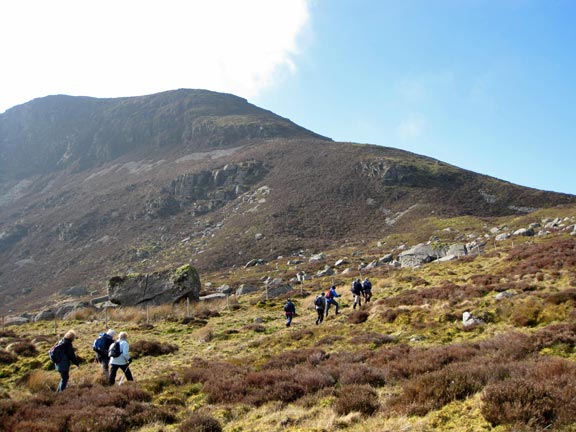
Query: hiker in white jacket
x,y
122,361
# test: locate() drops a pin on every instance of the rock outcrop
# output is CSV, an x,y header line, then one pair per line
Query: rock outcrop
x,y
165,287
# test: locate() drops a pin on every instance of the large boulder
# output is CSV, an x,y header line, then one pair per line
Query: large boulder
x,y
165,287
418,255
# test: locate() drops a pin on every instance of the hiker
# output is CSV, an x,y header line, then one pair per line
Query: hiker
x,y
367,289
331,295
357,292
122,361
66,355
290,311
320,306
101,346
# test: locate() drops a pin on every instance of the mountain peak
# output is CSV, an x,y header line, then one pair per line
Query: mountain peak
x,y
78,132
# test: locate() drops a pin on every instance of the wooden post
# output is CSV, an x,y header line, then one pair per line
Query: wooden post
x,y
3,325
147,313
187,307
105,317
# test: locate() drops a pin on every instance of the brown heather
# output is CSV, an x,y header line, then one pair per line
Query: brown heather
x,y
403,362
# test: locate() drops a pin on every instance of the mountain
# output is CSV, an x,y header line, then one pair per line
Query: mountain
x,y
90,188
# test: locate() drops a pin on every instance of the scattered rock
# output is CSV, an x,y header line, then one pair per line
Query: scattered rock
x,y
45,315
75,291
316,258
211,297
386,259
19,320
503,236
224,289
245,289
468,319
528,232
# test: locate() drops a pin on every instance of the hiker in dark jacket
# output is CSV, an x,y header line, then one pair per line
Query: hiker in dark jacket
x,y
101,346
367,289
330,299
68,356
290,311
320,306
357,292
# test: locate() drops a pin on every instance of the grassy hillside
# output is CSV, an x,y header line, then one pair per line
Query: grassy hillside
x,y
403,362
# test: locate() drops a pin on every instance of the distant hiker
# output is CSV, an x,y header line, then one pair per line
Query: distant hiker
x,y
320,306
122,360
357,292
331,295
367,289
290,311
101,346
62,354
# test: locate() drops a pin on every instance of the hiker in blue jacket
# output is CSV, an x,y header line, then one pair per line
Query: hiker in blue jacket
x,y
66,357
101,346
290,311
331,295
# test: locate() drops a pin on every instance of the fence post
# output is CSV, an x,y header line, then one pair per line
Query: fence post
x,y
187,307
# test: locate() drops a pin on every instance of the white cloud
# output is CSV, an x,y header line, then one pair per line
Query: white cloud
x,y
115,48
412,127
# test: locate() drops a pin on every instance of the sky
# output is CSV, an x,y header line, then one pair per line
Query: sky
x,y
486,85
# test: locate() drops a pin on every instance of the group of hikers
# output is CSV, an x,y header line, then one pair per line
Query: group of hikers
x,y
111,355
361,290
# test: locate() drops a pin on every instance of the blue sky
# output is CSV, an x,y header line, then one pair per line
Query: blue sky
x,y
489,86
486,85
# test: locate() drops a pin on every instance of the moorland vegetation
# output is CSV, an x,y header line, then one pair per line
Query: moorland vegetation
x,y
403,362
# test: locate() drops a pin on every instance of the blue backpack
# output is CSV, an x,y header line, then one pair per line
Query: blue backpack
x,y
102,343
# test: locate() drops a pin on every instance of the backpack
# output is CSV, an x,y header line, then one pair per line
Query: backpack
x,y
319,302
115,350
101,344
55,353
328,294
367,286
